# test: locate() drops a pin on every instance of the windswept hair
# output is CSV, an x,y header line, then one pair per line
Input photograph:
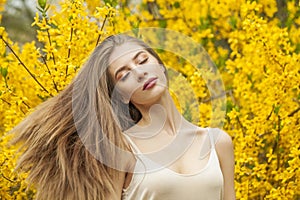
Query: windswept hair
x,y
64,144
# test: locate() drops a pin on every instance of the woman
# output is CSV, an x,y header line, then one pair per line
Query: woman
x,y
74,143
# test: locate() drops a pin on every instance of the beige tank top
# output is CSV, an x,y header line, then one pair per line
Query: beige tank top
x,y
166,184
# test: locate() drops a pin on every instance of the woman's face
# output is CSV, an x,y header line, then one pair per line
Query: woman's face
x,y
137,74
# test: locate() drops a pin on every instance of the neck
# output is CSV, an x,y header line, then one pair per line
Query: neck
x,y
161,116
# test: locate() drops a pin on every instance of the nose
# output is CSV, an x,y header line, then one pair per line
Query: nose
x,y
139,73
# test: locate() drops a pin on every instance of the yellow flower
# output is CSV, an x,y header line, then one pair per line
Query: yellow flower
x,y
256,57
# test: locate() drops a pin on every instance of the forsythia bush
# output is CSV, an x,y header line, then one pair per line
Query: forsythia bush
x,y
254,47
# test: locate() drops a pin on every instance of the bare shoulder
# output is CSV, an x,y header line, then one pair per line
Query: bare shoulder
x,y
222,138
224,146
225,151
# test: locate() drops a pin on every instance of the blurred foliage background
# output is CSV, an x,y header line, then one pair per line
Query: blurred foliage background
x,y
255,46
17,17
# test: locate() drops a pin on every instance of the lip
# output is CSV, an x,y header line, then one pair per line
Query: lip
x,y
149,83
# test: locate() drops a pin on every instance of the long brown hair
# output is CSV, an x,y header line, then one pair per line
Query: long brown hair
x,y
54,153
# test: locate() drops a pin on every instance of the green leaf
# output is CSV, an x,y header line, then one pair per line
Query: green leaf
x,y
3,71
276,109
47,8
229,106
233,22
187,112
135,25
162,23
204,23
113,3
176,4
39,9
42,3
135,32
160,50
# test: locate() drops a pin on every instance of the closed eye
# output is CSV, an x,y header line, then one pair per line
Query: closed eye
x,y
143,61
123,78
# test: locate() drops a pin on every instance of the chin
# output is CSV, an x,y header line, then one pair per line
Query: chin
x,y
152,96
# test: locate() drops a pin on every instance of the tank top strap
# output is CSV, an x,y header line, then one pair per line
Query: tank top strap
x,y
211,137
135,149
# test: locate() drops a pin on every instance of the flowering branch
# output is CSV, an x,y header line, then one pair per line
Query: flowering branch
x,y
43,8
21,62
101,29
69,50
3,174
45,62
5,101
276,144
294,112
50,43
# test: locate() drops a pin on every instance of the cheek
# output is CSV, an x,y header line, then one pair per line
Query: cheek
x,y
162,76
127,89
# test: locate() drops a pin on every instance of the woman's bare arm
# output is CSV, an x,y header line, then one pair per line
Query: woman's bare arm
x,y
225,152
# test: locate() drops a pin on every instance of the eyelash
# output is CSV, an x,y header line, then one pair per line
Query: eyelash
x,y
123,78
145,60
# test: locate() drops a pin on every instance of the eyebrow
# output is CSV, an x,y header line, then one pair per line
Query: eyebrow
x,y
123,67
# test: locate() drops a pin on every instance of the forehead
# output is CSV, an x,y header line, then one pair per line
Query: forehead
x,y
124,53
